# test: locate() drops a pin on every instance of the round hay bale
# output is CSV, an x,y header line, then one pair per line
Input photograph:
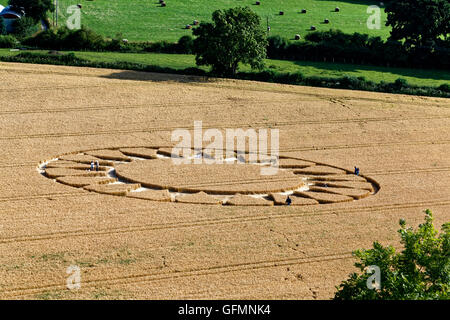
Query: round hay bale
x,y
196,23
268,29
326,21
337,9
163,4
258,3
281,13
125,40
303,10
79,6
188,26
297,37
312,28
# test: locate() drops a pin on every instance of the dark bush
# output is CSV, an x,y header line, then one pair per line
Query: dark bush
x,y
185,45
444,87
63,59
8,41
277,44
84,39
356,48
24,27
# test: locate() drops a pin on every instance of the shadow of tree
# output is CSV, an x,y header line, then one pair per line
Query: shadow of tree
x,y
155,77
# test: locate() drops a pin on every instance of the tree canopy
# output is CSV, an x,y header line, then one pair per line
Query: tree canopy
x,y
418,22
234,36
34,9
420,271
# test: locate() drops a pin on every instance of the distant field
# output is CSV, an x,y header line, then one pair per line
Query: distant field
x,y
180,61
146,20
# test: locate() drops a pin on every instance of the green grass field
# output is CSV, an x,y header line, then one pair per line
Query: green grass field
x,y
145,20
180,61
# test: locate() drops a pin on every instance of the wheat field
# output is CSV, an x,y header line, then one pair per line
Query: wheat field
x,y
130,247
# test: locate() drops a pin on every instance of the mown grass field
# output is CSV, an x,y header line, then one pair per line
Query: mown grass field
x,y
181,61
148,21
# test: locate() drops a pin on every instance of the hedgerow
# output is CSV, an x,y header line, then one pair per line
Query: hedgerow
x,y
346,82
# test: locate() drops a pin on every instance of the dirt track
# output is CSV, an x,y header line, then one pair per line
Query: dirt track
x,y
131,248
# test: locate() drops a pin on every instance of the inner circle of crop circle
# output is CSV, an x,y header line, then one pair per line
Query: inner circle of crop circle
x,y
241,178
150,174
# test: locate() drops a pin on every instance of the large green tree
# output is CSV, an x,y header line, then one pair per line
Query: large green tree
x,y
418,22
234,36
34,9
420,271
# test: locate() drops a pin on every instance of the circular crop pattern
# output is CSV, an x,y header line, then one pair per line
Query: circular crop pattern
x,y
150,173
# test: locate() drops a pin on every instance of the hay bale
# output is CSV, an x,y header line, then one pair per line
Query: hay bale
x,y
313,28
80,181
153,195
79,6
303,11
281,13
326,21
297,37
241,200
198,198
163,4
196,22
188,26
258,3
337,9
